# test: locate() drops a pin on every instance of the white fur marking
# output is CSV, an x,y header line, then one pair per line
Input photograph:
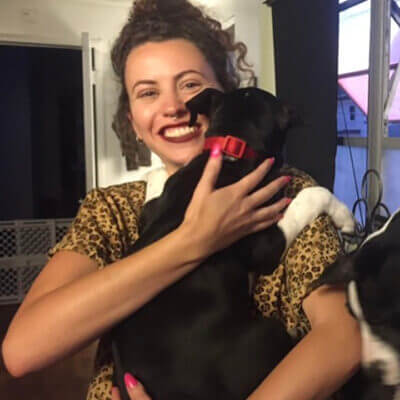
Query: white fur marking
x,y
308,205
382,230
373,348
354,302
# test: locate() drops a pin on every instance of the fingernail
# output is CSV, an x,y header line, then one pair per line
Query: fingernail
x,y
130,381
287,179
288,200
216,150
271,161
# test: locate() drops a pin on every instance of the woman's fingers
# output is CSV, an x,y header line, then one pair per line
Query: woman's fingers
x,y
210,173
265,193
219,217
135,389
270,213
115,393
251,180
264,224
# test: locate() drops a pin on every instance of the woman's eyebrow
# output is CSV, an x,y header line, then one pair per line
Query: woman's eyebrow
x,y
176,78
188,71
142,82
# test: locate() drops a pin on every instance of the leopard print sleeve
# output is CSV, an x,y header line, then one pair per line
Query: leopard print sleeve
x,y
106,224
104,229
281,293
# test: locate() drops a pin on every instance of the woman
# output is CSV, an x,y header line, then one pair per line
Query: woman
x,y
165,56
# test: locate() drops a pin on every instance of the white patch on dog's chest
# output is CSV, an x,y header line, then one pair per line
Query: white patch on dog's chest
x,y
373,348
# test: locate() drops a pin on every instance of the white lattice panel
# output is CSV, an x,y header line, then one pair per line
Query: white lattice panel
x,y
23,249
16,276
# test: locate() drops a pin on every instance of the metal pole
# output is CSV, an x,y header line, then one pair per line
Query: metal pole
x,y
378,89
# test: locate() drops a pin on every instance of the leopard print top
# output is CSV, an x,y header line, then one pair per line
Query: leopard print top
x,y
106,226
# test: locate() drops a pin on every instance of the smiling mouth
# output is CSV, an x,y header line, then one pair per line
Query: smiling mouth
x,y
180,134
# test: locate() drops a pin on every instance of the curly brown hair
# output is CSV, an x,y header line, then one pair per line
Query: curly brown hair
x,y
160,20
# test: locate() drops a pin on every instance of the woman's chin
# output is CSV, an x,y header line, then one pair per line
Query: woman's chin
x,y
175,164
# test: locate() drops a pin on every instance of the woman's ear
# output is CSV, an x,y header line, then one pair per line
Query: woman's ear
x,y
130,119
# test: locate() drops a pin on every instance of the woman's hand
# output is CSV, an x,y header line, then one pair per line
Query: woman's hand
x,y
218,218
135,389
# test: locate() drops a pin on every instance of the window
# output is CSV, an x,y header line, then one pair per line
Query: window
x,y
352,111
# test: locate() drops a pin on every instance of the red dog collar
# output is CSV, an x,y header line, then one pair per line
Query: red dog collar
x,y
231,146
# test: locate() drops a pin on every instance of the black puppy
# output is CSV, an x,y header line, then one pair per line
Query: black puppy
x,y
198,339
372,277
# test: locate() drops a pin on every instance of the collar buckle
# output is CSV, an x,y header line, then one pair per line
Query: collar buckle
x,y
234,147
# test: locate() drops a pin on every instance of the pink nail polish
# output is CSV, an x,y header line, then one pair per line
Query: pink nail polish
x,y
288,200
216,150
288,179
130,381
271,161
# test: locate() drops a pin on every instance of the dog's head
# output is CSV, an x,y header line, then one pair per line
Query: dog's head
x,y
372,277
251,114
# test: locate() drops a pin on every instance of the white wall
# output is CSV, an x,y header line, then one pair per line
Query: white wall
x,y
61,22
219,9
253,26
267,62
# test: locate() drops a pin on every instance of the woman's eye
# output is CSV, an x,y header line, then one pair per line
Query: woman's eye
x,y
146,93
191,85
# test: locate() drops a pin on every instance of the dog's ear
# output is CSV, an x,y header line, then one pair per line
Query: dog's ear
x,y
341,272
203,103
287,116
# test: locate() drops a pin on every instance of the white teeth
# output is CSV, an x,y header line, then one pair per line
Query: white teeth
x,y
178,132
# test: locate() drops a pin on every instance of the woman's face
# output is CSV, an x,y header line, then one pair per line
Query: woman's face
x,y
160,77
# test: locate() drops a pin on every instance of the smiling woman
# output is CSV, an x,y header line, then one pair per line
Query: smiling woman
x,y
163,76
167,52
205,38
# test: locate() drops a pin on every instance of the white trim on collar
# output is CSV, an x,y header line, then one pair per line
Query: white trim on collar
x,y
155,183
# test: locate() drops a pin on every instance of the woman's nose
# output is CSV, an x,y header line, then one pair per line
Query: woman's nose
x,y
174,106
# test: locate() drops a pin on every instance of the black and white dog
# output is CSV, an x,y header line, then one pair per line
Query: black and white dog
x,y
372,276
198,339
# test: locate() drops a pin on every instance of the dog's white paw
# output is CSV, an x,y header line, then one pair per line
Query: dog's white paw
x,y
308,205
342,217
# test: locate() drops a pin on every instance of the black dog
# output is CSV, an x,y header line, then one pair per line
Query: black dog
x,y
198,339
372,277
